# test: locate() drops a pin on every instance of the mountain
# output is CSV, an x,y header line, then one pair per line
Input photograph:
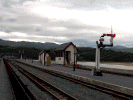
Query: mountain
x,y
1,40
118,47
121,48
46,45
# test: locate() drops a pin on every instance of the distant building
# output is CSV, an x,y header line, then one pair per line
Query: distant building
x,y
65,54
43,56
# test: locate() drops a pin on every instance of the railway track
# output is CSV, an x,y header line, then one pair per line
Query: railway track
x,y
117,94
45,86
20,91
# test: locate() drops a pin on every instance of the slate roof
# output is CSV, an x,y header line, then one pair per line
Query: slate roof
x,y
62,47
46,51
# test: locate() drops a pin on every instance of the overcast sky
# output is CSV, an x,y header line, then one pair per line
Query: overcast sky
x,y
79,21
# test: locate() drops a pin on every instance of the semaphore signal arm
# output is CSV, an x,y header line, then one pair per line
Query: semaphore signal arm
x,y
102,39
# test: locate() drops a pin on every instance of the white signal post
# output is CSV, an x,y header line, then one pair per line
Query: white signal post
x,y
96,71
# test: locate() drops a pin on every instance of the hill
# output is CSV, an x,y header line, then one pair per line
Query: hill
x,y
86,54
13,51
120,48
1,40
125,50
46,45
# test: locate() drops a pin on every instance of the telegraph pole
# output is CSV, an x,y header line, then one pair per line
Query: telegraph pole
x,y
74,61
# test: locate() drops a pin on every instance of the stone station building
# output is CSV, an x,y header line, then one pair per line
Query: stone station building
x,y
65,54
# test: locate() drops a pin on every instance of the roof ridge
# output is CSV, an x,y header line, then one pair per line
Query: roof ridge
x,y
63,46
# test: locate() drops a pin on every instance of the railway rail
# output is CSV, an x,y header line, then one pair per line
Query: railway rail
x,y
20,91
43,85
96,87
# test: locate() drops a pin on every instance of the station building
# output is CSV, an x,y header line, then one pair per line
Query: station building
x,y
65,54
43,56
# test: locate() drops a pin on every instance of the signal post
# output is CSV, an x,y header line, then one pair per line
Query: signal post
x,y
21,52
96,71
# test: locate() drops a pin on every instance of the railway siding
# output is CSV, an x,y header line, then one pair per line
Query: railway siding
x,y
89,80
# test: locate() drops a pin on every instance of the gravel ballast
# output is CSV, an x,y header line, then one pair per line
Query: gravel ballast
x,y
119,80
78,91
40,95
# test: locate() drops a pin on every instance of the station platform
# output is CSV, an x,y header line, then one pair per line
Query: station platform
x,y
114,66
5,86
123,81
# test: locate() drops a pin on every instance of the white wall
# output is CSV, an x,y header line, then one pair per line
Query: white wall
x,y
71,48
46,55
59,60
41,58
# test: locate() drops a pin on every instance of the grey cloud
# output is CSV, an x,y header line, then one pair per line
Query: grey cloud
x,y
80,42
73,24
7,30
31,24
37,29
15,28
127,44
84,43
31,27
22,22
11,19
1,19
94,4
9,3
37,25
73,4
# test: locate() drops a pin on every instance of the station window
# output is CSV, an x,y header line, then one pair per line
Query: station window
x,y
59,54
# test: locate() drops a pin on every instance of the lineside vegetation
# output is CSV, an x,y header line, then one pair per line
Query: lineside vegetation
x,y
86,54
